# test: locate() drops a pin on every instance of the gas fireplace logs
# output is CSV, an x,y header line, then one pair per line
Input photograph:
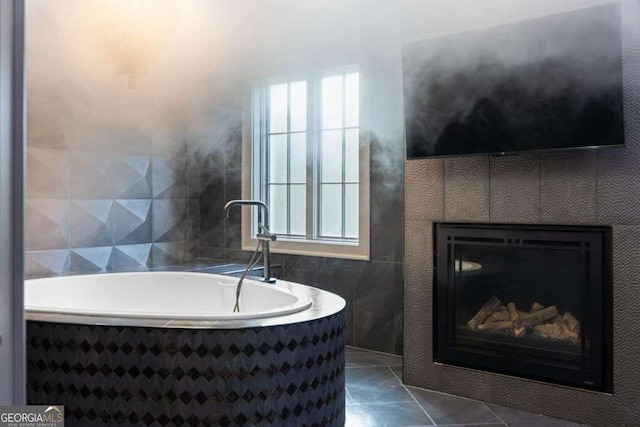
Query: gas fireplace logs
x,y
486,311
514,315
540,320
537,317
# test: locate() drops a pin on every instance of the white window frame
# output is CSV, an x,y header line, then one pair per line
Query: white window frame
x,y
253,127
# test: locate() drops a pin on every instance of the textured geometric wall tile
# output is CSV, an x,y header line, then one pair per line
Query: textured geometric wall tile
x,y
466,189
91,136
171,141
129,140
90,259
48,174
418,300
132,177
515,188
618,199
132,221
169,220
91,223
106,136
626,299
568,187
46,263
168,252
91,175
47,121
169,177
47,224
425,178
130,256
398,318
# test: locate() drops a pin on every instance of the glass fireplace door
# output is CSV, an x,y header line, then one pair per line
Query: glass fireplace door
x,y
521,300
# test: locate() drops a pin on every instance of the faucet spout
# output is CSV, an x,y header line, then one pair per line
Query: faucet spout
x,y
263,234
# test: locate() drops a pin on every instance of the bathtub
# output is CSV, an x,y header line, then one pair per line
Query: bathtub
x,y
201,296
157,348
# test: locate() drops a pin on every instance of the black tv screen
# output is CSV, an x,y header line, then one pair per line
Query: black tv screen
x,y
547,83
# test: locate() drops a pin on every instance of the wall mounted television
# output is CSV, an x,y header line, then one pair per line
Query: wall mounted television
x,y
542,84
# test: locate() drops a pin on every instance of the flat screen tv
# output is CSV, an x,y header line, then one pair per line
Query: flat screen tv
x,y
543,84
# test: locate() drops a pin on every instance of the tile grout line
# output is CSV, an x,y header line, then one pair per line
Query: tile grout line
x,y
466,424
496,415
366,350
370,366
412,396
381,403
346,390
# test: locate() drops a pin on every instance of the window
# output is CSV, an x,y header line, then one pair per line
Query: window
x,y
308,161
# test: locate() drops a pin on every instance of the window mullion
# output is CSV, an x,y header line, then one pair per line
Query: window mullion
x,y
265,149
288,158
343,150
312,143
264,153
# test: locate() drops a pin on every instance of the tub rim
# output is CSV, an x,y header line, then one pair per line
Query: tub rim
x,y
324,304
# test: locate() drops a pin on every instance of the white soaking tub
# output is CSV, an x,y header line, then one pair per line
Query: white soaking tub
x,y
161,295
166,346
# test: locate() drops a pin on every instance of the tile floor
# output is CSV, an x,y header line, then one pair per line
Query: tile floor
x,y
376,397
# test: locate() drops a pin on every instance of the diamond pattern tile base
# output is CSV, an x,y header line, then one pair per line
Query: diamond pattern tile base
x,y
288,375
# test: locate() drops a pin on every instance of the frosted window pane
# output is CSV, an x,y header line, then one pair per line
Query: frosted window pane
x,y
352,155
351,211
298,109
331,211
332,102
298,209
298,152
278,108
331,156
278,208
352,100
278,158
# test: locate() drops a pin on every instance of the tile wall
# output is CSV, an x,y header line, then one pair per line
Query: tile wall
x,y
102,198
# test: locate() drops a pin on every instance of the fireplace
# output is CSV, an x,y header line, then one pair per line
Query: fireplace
x,y
532,301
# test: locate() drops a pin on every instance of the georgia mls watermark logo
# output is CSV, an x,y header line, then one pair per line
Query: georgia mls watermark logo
x,y
32,416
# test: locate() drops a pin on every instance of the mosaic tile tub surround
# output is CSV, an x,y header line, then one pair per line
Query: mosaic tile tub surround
x,y
105,375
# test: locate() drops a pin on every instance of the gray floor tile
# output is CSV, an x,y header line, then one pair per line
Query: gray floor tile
x,y
348,349
362,359
347,397
376,397
516,418
386,414
446,409
375,385
398,371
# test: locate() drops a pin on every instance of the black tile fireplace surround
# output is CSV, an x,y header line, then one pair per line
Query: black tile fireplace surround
x,y
532,301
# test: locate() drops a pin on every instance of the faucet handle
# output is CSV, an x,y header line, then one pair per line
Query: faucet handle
x,y
266,234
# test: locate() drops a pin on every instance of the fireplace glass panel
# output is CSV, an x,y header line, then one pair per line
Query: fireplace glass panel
x,y
529,301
